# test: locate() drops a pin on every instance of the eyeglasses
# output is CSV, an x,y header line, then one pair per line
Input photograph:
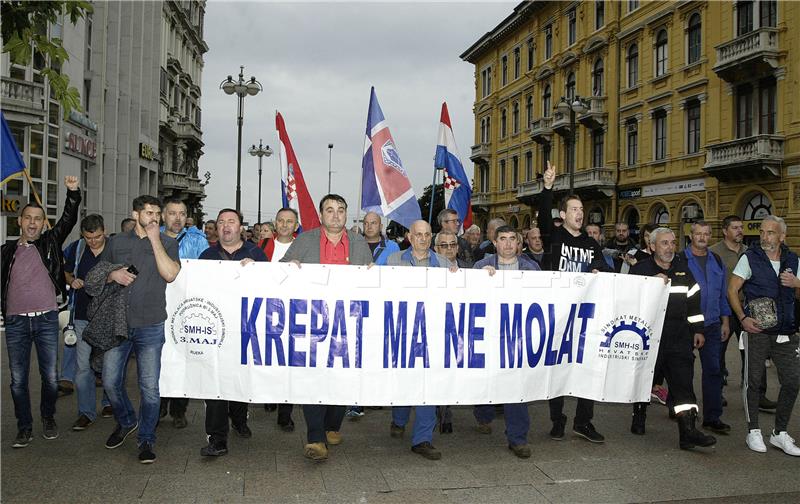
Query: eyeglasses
x,y
448,245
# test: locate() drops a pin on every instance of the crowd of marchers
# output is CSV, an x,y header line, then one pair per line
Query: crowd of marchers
x,y
114,305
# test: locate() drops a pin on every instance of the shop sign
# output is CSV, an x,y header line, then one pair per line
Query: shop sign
x,y
82,120
11,205
680,186
80,146
629,193
146,152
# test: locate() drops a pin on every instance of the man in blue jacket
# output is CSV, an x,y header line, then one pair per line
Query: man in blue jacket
x,y
709,272
379,245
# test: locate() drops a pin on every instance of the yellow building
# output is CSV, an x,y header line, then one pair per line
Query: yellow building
x,y
689,110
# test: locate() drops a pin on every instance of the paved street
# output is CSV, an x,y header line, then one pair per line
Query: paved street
x,y
371,467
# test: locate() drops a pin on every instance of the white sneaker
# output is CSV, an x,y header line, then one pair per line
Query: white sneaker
x,y
785,442
755,442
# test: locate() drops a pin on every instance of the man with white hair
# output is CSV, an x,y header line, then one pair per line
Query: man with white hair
x,y
767,275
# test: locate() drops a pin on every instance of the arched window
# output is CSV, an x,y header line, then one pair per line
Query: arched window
x,y
758,207
546,103
570,89
694,35
660,215
503,122
633,65
597,78
515,118
529,110
661,53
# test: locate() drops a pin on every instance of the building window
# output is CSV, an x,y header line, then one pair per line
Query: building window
x,y
744,17
516,62
758,207
514,172
486,82
515,118
570,89
529,166
766,107
548,42
546,101
502,174
633,65
598,137
529,110
531,55
163,83
484,179
483,130
661,53
744,112
694,35
504,71
597,78
572,28
632,133
660,126
661,215
693,127
633,5
768,15
599,14
503,121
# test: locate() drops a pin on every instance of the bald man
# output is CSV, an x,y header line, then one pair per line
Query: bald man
x,y
381,247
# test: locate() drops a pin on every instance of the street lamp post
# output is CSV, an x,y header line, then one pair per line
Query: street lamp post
x,y
241,88
330,153
260,151
578,106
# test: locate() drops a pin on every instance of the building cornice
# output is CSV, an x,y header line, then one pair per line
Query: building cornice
x,y
522,12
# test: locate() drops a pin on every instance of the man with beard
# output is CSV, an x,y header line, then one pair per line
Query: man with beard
x,y
150,260
682,331
767,275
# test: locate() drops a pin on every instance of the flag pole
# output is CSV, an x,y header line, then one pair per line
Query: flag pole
x,y
360,189
36,196
433,194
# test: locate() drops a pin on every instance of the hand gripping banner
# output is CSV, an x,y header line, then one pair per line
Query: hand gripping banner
x,y
352,335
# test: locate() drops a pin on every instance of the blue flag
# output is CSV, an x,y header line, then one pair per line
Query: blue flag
x,y
12,159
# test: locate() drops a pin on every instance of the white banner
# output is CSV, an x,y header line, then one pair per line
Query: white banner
x,y
271,333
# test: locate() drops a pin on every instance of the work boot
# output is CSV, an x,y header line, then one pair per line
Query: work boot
x,y
639,417
689,435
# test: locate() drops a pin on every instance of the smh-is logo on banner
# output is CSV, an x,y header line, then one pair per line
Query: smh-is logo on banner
x,y
198,324
626,337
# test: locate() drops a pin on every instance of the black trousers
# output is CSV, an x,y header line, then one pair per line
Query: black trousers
x,y
675,362
584,411
217,414
177,405
321,418
284,413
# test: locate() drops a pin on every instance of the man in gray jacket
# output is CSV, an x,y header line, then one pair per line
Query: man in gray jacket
x,y
329,244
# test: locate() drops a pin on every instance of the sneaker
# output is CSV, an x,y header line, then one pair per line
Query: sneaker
x,y
82,423
49,428
316,451
179,421
755,442
522,451
65,388
333,437
396,431
23,439
427,450
146,454
483,428
107,412
557,432
717,426
659,395
766,405
588,433
214,449
243,431
119,435
785,442
354,412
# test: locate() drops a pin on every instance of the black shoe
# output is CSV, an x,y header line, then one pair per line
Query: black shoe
x,y
588,433
427,450
286,425
269,408
766,405
179,421
49,428
717,426
522,451
146,454
446,428
214,449
724,402
118,436
396,431
23,439
557,432
639,419
243,431
162,412
689,436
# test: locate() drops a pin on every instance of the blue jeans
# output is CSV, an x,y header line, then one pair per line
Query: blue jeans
x,y
84,377
21,332
712,373
147,343
424,421
69,361
518,421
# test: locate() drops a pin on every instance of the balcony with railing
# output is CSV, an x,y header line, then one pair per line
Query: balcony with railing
x,y
481,153
596,115
481,199
750,55
542,130
188,130
22,96
745,158
592,180
194,186
174,180
561,123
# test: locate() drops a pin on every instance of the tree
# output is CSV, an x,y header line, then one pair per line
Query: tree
x,y
24,31
438,204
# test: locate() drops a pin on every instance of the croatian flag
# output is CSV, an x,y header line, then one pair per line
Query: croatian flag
x,y
457,191
293,185
385,187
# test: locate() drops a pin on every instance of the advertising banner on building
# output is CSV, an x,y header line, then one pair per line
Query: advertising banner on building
x,y
351,335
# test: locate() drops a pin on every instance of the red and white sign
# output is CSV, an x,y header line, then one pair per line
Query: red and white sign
x,y
80,145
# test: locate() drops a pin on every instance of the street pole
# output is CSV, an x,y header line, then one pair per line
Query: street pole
x,y
330,153
260,151
259,189
240,122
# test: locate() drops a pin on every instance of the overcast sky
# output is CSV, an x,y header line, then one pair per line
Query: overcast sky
x,y
317,62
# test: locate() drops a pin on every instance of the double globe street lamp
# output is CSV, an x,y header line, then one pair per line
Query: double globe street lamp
x,y
260,151
577,106
241,88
